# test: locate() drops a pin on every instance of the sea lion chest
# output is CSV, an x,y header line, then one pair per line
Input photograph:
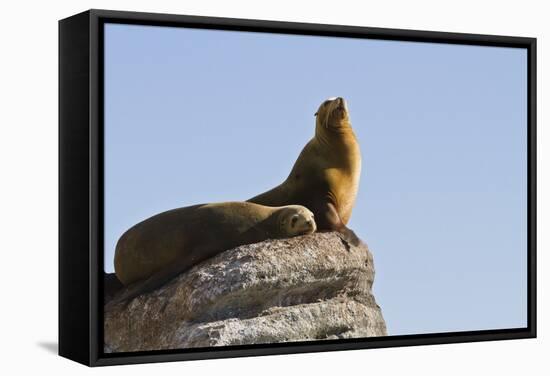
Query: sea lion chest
x,y
339,173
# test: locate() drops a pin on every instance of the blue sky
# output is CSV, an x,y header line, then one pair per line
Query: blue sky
x,y
194,116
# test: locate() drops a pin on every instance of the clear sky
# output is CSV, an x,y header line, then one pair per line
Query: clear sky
x,y
195,116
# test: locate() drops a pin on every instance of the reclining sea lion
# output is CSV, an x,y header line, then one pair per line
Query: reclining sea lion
x,y
160,247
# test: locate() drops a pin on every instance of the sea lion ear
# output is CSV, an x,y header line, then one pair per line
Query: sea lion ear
x,y
316,113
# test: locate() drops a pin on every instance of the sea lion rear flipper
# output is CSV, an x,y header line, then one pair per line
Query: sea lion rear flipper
x,y
111,286
150,284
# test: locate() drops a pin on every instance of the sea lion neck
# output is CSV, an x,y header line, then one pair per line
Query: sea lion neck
x,y
334,135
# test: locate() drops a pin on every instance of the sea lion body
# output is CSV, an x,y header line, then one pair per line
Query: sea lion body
x,y
175,240
325,177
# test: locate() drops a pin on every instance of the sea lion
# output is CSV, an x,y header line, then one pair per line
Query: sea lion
x,y
325,177
160,247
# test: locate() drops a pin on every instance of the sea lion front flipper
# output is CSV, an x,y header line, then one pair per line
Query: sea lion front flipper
x,y
349,236
330,221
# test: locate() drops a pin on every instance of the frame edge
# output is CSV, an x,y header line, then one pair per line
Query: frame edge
x,y
90,353
74,250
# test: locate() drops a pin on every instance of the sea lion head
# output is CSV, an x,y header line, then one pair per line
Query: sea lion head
x,y
333,114
294,220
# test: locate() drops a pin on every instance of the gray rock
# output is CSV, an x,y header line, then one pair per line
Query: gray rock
x,y
310,287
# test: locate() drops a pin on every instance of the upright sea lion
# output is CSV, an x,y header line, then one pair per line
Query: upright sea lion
x,y
325,178
158,248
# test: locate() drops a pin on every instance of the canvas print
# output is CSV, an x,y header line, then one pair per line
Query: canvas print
x,y
264,188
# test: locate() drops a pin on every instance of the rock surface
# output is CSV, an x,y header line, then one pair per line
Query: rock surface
x,y
311,287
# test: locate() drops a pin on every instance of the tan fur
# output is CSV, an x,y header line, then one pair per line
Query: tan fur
x,y
325,177
175,240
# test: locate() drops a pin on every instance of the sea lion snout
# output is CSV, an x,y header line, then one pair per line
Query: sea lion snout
x,y
309,223
341,104
337,100
310,226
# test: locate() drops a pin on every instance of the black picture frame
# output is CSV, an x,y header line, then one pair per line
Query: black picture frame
x,y
81,182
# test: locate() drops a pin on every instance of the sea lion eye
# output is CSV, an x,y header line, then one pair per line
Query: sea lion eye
x,y
294,220
322,105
